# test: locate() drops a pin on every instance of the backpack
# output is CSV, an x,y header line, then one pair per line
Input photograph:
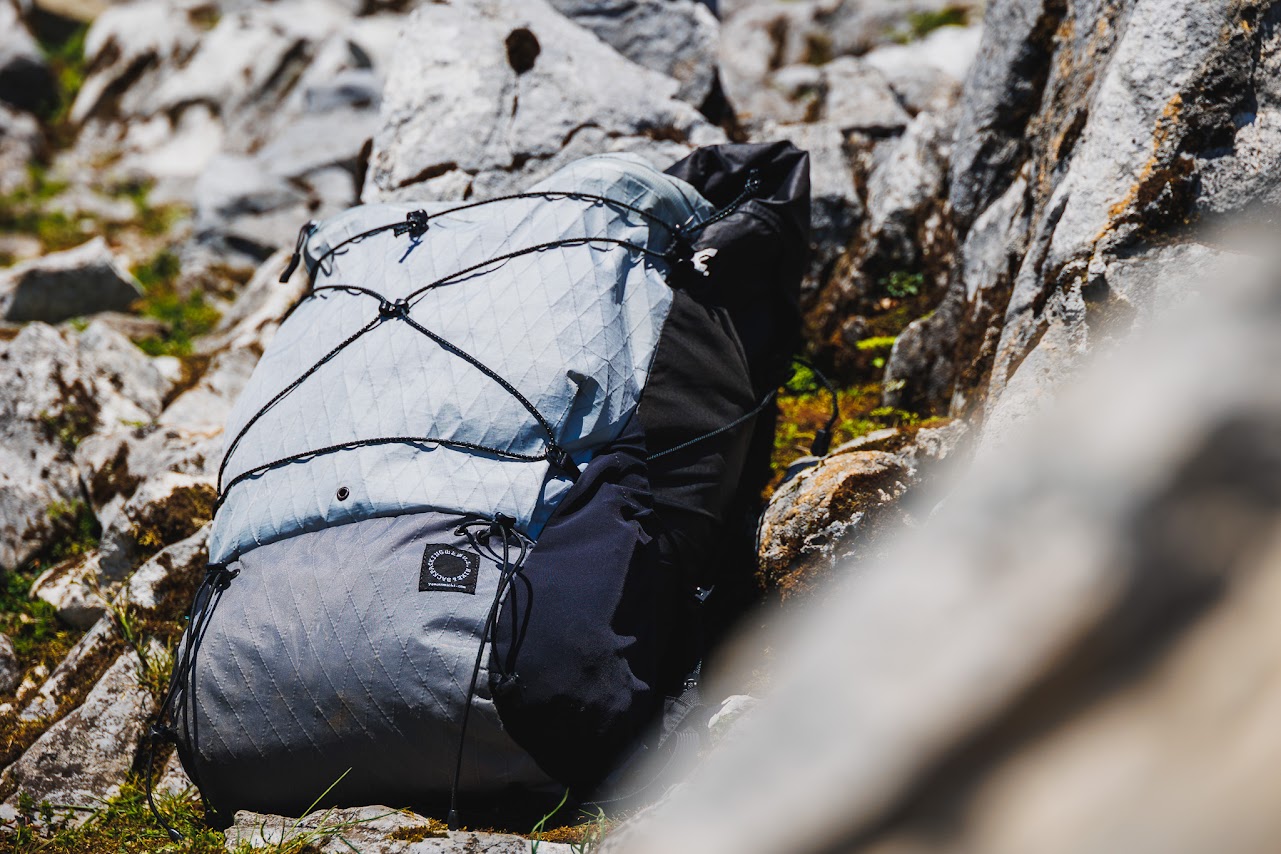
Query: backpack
x,y
482,484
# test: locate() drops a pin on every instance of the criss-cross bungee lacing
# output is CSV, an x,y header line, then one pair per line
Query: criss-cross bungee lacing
x,y
480,532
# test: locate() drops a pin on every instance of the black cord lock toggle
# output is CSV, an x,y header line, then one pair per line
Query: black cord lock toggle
x,y
415,225
681,253
388,309
219,576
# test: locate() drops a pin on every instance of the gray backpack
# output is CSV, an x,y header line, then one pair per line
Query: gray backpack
x,y
480,485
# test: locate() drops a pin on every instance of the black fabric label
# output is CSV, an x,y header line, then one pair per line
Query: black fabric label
x,y
448,568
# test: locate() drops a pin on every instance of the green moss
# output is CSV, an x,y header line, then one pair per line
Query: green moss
x,y
921,24
32,624
903,285
78,527
22,212
123,825
880,342
185,316
67,62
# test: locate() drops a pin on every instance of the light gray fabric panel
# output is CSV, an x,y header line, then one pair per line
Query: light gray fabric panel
x,y
323,655
574,329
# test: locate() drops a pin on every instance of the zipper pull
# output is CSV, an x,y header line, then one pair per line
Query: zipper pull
x,y
415,225
296,258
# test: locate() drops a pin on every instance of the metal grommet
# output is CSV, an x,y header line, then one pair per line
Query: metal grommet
x,y
343,492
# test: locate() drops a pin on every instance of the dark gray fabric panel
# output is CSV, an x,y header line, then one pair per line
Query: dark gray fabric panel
x,y
323,654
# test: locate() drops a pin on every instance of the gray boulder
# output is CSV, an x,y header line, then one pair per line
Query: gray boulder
x,y
26,82
674,37
154,587
372,830
80,281
818,517
85,758
487,96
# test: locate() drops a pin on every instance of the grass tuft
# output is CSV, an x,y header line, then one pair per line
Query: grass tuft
x,y
186,316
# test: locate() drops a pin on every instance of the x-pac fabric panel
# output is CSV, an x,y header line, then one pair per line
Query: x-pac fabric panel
x,y
323,656
573,328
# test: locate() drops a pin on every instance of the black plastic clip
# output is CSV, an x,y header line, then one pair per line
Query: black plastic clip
x,y
415,225
399,308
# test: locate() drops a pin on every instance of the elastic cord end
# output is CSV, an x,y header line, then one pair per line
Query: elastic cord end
x,y
822,443
294,261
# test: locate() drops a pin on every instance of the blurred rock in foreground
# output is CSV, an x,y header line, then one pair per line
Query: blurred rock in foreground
x,y
1078,652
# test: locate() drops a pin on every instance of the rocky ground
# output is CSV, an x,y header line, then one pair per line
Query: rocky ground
x,y
998,193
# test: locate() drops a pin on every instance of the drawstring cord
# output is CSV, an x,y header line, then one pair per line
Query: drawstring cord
x,y
217,578
506,527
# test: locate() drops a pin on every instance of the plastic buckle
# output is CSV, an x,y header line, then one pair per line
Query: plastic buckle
x,y
399,308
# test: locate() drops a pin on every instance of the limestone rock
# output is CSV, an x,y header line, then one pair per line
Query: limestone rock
x,y
1089,136
174,781
165,509
809,521
10,673
674,37
84,664
85,757
205,406
20,141
165,581
373,830
73,589
926,75
904,189
77,282
259,118
761,39
487,96
859,97
114,358
49,401
906,233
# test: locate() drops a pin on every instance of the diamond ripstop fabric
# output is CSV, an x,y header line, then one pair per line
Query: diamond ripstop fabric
x,y
573,328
